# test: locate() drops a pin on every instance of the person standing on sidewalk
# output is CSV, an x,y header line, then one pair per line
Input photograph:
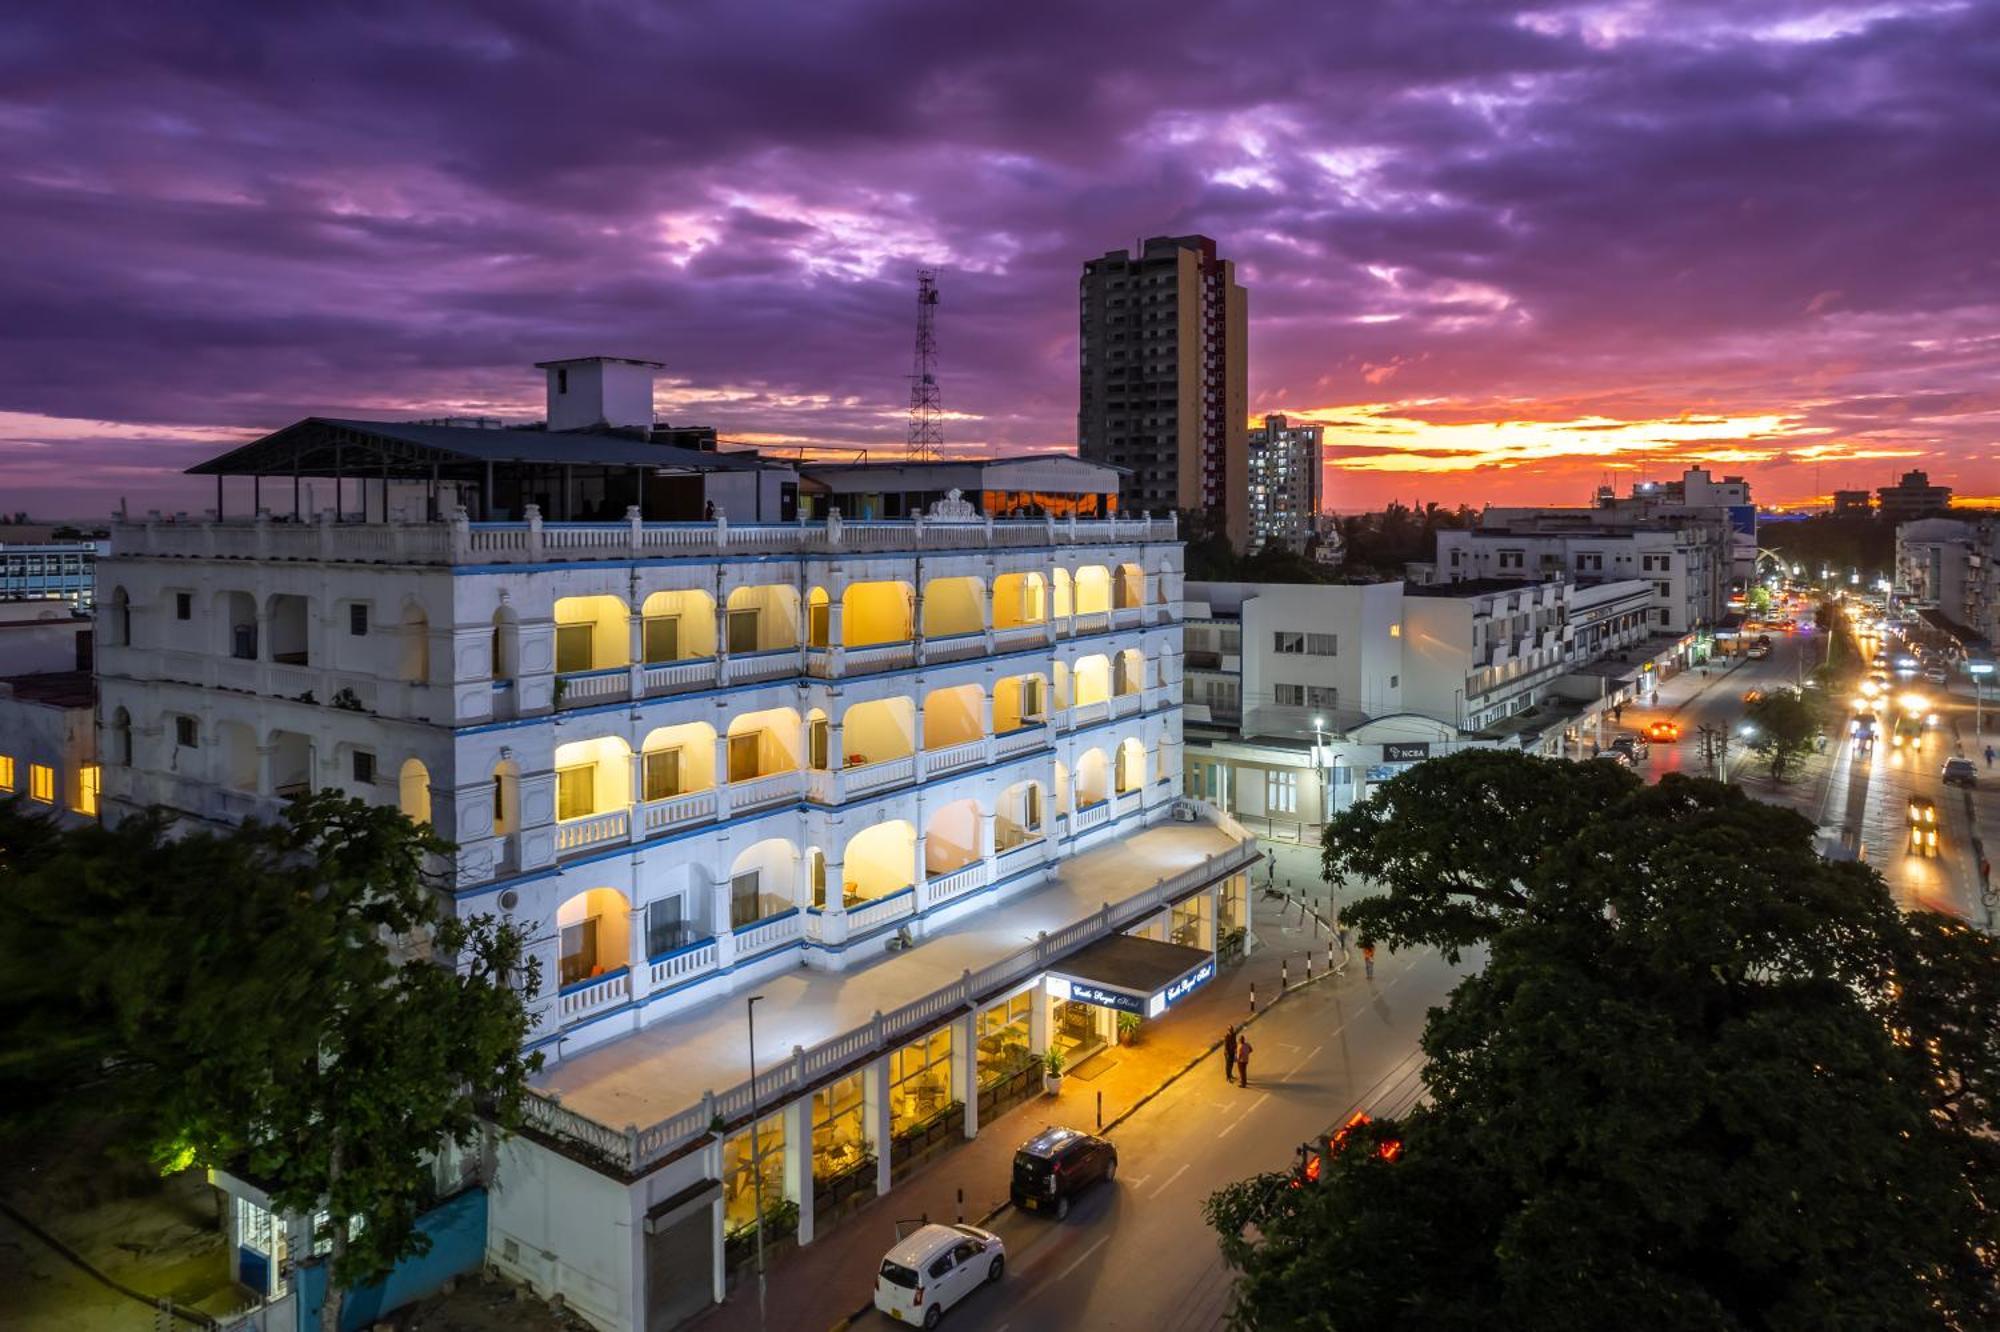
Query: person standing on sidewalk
x,y
1989,756
1229,1043
1243,1061
1368,959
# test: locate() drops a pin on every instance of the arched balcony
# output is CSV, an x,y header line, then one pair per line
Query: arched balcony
x,y
676,777
1093,779
954,728
1020,817
878,743
951,838
593,793
761,627
878,862
763,882
1020,608
1093,596
593,952
761,754
413,791
954,618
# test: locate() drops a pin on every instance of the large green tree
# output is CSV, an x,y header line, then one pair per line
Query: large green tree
x,y
1784,723
1705,1079
285,999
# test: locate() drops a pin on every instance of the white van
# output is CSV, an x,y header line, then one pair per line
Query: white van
x,y
934,1268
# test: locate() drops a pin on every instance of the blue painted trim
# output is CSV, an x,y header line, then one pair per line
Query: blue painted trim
x,y
778,681
701,829
592,673
589,981
762,921
671,953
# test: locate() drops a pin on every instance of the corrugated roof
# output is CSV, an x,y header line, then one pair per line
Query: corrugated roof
x,y
499,446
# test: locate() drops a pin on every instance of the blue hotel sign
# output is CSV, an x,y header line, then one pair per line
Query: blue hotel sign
x,y
1085,993
1188,984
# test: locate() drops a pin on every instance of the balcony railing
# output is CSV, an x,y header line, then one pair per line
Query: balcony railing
x,y
682,963
595,686
692,673
1022,740
458,541
760,935
659,816
882,910
953,757
573,835
594,995
861,778
956,883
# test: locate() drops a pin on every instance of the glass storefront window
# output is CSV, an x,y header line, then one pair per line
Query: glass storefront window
x,y
1192,923
919,1080
1234,890
1003,1038
744,1162
839,1142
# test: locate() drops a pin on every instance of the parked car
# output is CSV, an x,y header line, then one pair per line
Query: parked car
x,y
1055,1165
1937,675
1633,746
1664,732
933,1268
1961,772
1923,826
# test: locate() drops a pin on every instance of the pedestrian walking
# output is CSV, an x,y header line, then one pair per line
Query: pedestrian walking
x,y
1242,1061
1368,959
1229,1043
1989,756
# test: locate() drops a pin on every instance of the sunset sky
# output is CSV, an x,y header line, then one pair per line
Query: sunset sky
x,y
1503,251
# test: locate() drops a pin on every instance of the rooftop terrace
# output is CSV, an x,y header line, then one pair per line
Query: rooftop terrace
x,y
811,1024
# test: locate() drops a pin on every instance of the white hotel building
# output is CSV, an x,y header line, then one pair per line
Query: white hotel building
x,y
908,781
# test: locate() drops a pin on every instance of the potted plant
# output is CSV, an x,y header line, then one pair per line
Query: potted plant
x,y
1128,1028
1052,1072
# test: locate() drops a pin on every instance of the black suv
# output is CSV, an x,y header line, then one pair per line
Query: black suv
x,y
1055,1165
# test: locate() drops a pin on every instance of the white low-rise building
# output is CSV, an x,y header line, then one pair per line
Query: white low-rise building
x,y
899,778
1300,698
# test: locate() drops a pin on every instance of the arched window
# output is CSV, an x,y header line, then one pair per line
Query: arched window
x,y
413,791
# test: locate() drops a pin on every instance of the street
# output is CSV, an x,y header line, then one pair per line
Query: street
x,y
1136,1253
1860,800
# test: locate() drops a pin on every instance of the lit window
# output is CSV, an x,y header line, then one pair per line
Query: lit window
x,y
42,783
6,773
88,782
1396,630
576,791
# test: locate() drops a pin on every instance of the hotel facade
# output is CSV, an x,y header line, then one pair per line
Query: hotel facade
x,y
913,784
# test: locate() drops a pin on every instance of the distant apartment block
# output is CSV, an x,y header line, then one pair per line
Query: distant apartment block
x,y
1285,485
49,571
1162,360
1912,497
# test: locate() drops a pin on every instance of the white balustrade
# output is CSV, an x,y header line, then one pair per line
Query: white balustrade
x,y
878,657
683,963
955,647
593,996
663,676
1125,705
1127,617
1019,636
595,830
1083,714
751,666
760,935
658,816
1025,740
235,673
771,789
594,687
1091,622
1089,816
865,777
944,887
953,757
881,910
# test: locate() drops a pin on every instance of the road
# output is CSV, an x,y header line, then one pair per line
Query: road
x,y
1136,1253
1862,799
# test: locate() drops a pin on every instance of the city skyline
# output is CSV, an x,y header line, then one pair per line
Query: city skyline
x,y
1502,256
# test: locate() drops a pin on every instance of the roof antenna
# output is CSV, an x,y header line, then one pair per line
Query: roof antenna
x,y
926,411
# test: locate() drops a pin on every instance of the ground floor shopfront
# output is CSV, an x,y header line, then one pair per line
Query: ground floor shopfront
x,y
648,1253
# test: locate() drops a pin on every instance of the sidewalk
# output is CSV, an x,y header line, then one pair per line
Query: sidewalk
x,y
821,1284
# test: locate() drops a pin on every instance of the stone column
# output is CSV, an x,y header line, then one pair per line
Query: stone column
x,y
965,1068
799,1159
875,1111
640,977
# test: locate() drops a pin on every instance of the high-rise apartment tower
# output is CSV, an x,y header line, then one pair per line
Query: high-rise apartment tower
x,y
1164,385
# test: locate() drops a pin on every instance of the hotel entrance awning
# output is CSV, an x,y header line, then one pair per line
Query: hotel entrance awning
x,y
1131,974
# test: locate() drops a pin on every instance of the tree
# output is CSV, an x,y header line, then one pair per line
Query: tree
x,y
1455,839
1694,1085
281,998
1784,724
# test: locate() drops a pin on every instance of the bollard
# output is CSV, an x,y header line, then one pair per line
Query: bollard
x,y
1253,996
1100,1109
961,1200
1329,955
1309,968
1284,975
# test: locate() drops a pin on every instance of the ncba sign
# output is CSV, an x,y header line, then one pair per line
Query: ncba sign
x,y
1410,751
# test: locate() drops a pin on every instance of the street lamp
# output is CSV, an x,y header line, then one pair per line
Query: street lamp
x,y
756,1156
